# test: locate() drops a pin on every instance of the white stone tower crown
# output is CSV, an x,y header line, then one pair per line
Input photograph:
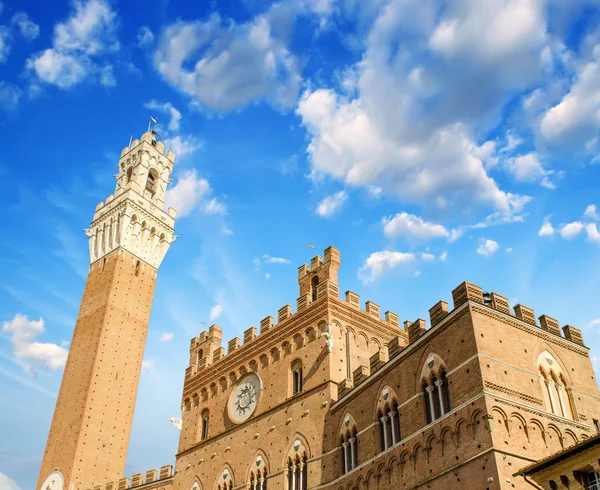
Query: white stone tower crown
x,y
134,217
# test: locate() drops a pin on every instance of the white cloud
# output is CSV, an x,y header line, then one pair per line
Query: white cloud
x,y
214,207
403,118
574,120
147,366
9,95
187,193
591,213
166,108
594,324
331,204
547,229
592,232
232,64
571,230
183,145
378,263
427,257
487,248
267,276
7,483
444,256
166,337
527,168
29,29
411,226
5,40
509,250
144,37
78,45
215,312
267,259
226,231
23,334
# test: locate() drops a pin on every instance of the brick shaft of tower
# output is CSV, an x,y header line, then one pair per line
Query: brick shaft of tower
x,y
128,238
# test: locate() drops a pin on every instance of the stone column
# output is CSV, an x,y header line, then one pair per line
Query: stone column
x,y
431,406
559,388
294,478
393,428
346,460
352,453
439,384
549,385
385,435
300,466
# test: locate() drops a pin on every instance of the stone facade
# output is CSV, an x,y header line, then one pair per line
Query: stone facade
x,y
129,236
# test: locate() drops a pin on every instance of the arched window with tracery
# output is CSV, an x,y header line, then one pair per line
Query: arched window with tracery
x,y
388,416
225,480
349,444
436,389
297,472
559,399
259,474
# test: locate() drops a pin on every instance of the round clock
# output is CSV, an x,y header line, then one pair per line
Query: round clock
x,y
55,481
244,398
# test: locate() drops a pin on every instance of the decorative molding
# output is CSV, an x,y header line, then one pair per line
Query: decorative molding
x,y
518,394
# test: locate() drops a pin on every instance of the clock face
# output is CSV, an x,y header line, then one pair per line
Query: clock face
x,y
244,398
55,481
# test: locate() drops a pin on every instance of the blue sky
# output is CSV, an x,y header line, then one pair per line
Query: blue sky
x,y
432,142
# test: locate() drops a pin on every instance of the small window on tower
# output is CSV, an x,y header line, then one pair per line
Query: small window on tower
x,y
137,268
129,174
314,284
152,180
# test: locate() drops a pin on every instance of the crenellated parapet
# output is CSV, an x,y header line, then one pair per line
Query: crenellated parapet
x,y
163,479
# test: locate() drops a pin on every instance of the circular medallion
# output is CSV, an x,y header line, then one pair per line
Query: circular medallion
x,y
244,398
55,481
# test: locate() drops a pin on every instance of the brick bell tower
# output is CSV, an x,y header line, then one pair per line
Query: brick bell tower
x,y
128,238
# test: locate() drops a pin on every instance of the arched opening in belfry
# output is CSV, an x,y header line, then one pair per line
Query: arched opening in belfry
x,y
314,283
129,174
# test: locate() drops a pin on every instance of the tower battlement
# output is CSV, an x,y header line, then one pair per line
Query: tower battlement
x,y
149,138
160,477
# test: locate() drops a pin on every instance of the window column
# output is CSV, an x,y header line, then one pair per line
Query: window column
x,y
439,384
385,435
293,486
559,387
429,390
300,472
352,453
346,458
392,415
549,385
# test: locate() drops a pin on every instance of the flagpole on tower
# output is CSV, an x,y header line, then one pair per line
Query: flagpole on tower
x,y
151,122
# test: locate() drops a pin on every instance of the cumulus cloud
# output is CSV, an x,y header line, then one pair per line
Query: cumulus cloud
x,y
23,334
267,259
406,119
5,43
183,145
331,204
79,46
547,229
169,109
144,37
410,226
487,248
593,233
147,366
527,168
9,95
591,213
215,312
232,64
214,207
571,230
187,193
379,263
29,29
166,337
574,121
7,483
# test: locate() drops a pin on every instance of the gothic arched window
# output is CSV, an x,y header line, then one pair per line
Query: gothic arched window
x,y
152,180
436,389
204,419
129,174
297,473
558,395
349,442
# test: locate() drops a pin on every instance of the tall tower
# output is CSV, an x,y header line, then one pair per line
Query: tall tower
x,y
129,236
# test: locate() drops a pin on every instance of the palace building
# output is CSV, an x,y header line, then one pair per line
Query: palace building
x,y
330,395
